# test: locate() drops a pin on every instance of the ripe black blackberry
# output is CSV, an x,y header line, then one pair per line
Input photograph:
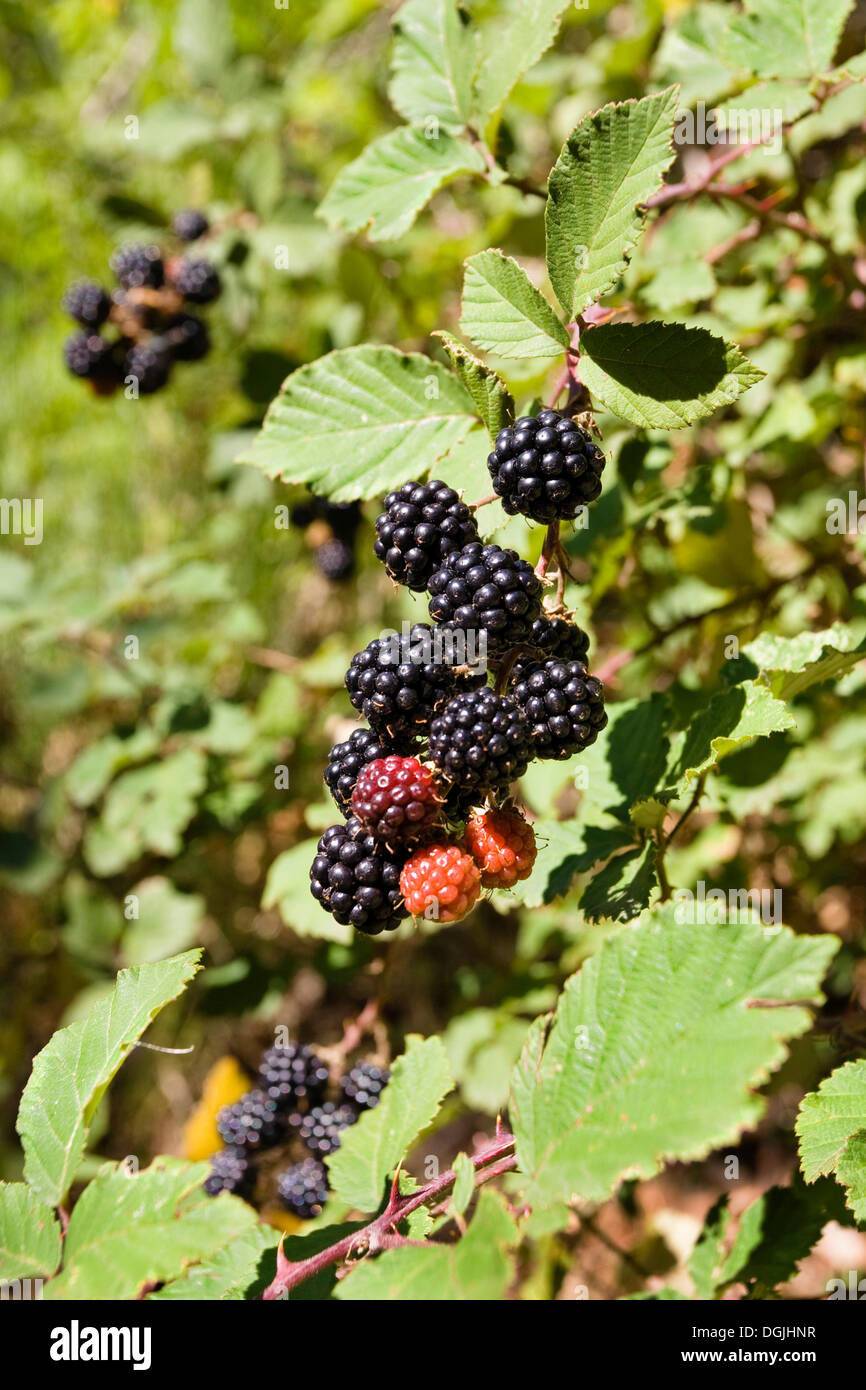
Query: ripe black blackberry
x,y
88,355
363,1084
321,1127
564,706
552,637
189,224
196,281
137,266
398,686
150,364
335,560
304,1188
253,1122
357,879
292,1073
480,740
345,761
87,303
421,524
186,337
545,467
485,588
230,1171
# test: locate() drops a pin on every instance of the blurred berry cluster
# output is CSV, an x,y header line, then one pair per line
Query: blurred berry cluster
x,y
330,529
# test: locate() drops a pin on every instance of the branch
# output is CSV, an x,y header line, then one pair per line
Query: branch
x,y
375,1236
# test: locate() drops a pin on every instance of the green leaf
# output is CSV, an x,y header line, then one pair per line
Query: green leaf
x,y
777,1231
434,59
565,849
488,391
361,420
287,888
464,1186
656,1049
790,665
128,1230
690,53
389,183
627,762
787,38
476,1269
686,282
611,164
831,1129
71,1073
663,375
504,313
708,1257
372,1148
227,1274
623,888
732,718
203,37
168,922
512,42
146,809
29,1234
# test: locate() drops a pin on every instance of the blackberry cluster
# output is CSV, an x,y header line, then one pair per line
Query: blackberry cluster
x,y
545,467
564,706
357,879
152,327
330,529
421,524
289,1112
483,588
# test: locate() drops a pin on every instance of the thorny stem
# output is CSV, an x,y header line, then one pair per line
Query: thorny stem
x,y
490,1163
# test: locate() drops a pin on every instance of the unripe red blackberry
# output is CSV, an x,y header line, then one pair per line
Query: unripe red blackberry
x,y
357,879
363,1084
483,588
397,694
421,524
320,1129
502,844
292,1073
480,740
253,1122
304,1188
396,798
564,705
545,467
441,883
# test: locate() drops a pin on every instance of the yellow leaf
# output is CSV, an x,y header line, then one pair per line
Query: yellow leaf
x,y
225,1083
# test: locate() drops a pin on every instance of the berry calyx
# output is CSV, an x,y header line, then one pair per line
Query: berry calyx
x,y
363,1084
357,879
441,883
564,705
292,1073
304,1188
545,467
396,798
503,846
480,740
483,588
421,524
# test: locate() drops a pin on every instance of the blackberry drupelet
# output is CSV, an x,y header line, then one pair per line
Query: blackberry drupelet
x,y
230,1171
137,266
363,1084
421,524
189,224
150,364
335,560
87,303
321,1128
485,588
480,740
563,704
396,695
292,1073
545,467
252,1122
304,1188
345,761
88,355
187,337
197,281
552,637
357,879
396,798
